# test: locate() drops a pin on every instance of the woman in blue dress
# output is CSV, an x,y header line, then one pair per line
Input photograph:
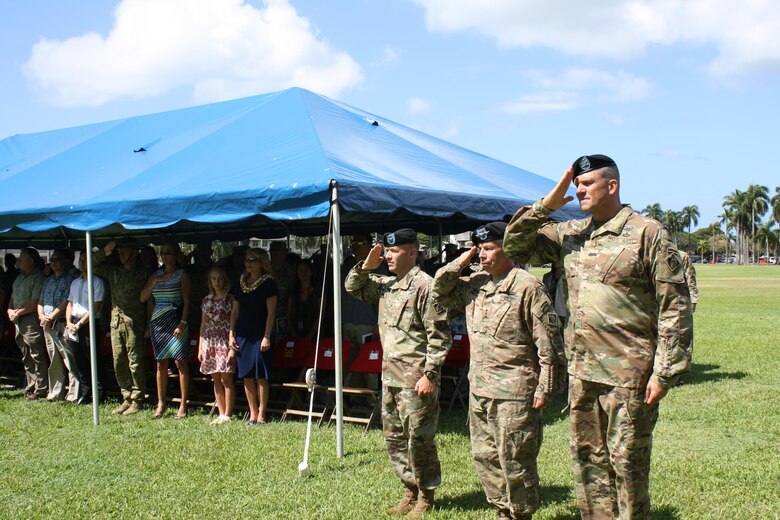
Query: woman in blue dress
x,y
256,296
170,288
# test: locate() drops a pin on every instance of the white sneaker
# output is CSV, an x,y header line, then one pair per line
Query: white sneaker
x,y
225,418
216,421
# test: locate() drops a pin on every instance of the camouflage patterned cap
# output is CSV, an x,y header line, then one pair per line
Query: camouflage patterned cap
x,y
588,163
399,238
488,233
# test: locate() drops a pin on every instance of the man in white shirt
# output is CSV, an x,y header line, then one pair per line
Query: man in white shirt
x,y
77,332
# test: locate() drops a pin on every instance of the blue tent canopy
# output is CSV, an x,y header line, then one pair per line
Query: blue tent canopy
x,y
261,166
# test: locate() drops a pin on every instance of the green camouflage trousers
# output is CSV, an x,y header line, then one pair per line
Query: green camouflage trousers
x,y
409,423
127,344
505,439
611,440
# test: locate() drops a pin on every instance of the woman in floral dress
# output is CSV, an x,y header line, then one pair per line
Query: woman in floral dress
x,y
220,312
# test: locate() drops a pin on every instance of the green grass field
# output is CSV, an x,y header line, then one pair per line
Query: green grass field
x,y
716,453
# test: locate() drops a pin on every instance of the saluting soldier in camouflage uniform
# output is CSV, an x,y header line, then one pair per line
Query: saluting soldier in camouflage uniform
x,y
629,333
690,279
516,356
415,337
128,320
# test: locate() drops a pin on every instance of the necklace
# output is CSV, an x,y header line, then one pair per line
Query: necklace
x,y
249,288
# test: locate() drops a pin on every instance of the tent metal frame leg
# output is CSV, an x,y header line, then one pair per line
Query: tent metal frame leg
x,y
337,260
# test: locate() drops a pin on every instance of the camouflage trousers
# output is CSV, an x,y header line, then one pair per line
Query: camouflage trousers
x,y
127,344
409,423
505,439
611,440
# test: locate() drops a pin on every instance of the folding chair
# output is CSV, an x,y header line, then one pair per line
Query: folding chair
x,y
368,361
288,355
201,386
326,361
11,367
110,386
456,369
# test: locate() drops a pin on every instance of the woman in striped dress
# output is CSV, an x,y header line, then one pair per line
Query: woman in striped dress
x,y
170,288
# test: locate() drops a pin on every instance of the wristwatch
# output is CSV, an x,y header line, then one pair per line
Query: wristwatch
x,y
431,375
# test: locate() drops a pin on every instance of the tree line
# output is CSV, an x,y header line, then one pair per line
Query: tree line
x,y
740,231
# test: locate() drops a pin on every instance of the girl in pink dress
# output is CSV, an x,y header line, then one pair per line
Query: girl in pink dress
x,y
220,311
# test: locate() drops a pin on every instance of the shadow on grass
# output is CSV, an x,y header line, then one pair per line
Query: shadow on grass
x,y
663,513
455,421
666,513
709,373
475,500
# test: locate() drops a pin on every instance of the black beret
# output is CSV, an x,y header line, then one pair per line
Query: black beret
x,y
587,163
399,238
488,233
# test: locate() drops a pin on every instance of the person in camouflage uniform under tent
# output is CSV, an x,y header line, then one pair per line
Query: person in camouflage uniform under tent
x,y
516,360
415,336
126,279
629,334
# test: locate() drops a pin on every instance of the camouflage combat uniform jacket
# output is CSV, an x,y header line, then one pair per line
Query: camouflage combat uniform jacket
x,y
629,312
690,277
516,346
414,331
126,286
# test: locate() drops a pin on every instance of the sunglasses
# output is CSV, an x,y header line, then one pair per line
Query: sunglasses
x,y
251,260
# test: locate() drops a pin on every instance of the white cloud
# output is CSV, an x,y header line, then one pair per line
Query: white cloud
x,y
221,49
391,55
418,105
744,33
576,87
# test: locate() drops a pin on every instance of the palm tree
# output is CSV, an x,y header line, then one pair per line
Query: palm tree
x,y
766,235
690,216
727,219
776,215
735,203
776,204
702,245
757,203
673,222
653,211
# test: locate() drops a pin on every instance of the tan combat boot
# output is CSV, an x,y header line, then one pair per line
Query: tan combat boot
x,y
122,408
424,504
134,407
406,504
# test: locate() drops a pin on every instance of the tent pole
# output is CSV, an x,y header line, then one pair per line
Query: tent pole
x,y
441,244
92,333
336,248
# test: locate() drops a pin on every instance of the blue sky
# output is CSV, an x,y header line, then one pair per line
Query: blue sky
x,y
683,95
